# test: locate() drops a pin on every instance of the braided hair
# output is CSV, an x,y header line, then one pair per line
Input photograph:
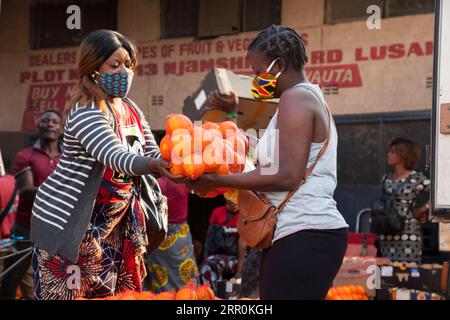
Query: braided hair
x,y
278,41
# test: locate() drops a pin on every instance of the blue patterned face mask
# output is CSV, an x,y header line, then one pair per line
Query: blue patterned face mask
x,y
115,84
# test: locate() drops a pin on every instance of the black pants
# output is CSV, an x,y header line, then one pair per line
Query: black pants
x,y
13,278
302,266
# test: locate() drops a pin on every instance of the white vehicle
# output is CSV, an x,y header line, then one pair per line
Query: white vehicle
x,y
440,166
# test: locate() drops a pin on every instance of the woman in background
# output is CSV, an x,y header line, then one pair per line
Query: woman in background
x,y
406,184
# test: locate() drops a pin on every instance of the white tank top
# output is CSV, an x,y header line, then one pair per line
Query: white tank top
x,y
313,205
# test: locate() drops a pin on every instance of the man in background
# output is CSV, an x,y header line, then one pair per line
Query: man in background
x,y
32,167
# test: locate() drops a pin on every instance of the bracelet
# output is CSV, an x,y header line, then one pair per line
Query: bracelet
x,y
232,115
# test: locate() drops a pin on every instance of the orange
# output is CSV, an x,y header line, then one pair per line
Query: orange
x,y
210,125
201,139
238,164
212,160
177,121
166,295
215,133
144,295
210,195
223,169
177,169
360,290
228,128
188,292
181,147
204,292
346,290
228,153
238,144
193,166
166,148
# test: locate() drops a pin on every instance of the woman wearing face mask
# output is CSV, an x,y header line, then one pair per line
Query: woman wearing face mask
x,y
87,225
311,235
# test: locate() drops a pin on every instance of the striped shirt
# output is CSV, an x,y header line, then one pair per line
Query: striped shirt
x,y
63,205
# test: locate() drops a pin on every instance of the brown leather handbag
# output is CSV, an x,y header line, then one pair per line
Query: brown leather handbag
x,y
257,217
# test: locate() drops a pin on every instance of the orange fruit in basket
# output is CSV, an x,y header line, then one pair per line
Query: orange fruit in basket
x,y
346,290
238,164
127,295
223,169
352,288
144,295
214,193
177,121
201,138
188,292
215,133
353,297
228,128
166,295
228,152
204,292
223,190
181,136
238,144
330,296
166,148
243,136
360,290
182,146
212,160
209,195
213,155
177,169
210,125
193,166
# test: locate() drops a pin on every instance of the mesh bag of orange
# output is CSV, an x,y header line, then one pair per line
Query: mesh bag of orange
x,y
194,150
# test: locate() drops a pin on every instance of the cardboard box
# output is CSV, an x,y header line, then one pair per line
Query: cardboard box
x,y
251,112
445,118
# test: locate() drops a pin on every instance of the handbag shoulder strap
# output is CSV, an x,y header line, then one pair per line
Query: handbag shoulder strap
x,y
320,154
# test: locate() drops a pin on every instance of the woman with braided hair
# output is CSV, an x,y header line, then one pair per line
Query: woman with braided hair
x,y
311,235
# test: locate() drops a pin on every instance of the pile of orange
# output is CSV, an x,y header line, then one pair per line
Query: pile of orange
x,y
194,150
349,292
189,292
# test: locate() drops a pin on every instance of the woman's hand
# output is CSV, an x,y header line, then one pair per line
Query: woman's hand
x,y
229,103
421,214
176,179
203,184
157,165
163,167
